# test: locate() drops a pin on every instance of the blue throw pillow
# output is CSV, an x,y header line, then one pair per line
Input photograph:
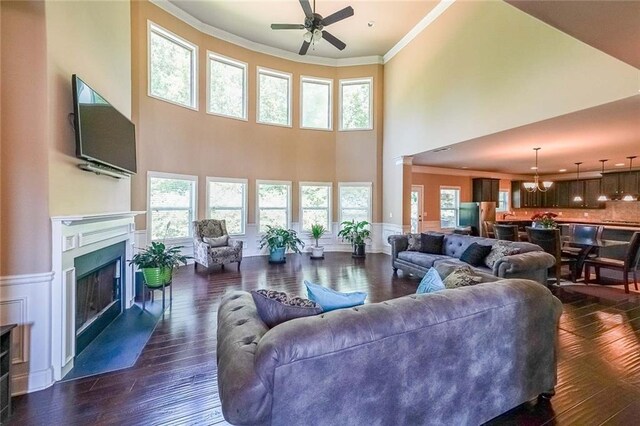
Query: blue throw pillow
x,y
331,299
431,282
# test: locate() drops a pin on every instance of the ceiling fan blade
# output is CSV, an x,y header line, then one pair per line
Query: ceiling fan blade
x,y
304,48
333,40
287,27
307,8
338,16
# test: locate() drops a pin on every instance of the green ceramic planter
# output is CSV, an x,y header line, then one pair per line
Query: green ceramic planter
x,y
156,277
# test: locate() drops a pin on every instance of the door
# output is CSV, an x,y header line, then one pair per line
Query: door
x,y
417,207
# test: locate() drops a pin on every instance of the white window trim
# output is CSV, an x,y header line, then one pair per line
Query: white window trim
x,y
440,205
330,197
153,27
343,82
245,93
318,80
365,184
272,182
279,74
245,205
506,208
194,201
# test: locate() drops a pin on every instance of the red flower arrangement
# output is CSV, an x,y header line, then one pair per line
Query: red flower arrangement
x,y
546,219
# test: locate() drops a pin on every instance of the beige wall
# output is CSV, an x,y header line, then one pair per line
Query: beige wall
x,y
178,140
483,67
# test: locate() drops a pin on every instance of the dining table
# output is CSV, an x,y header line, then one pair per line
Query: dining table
x,y
588,246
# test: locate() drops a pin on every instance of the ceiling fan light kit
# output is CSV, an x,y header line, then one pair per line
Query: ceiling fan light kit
x,y
535,185
314,23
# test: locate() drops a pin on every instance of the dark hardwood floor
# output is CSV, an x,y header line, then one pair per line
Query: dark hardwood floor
x,y
174,380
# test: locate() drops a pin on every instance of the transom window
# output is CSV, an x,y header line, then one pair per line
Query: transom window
x,y
315,104
274,204
449,205
172,201
172,67
315,205
355,201
274,97
356,104
227,200
503,201
227,94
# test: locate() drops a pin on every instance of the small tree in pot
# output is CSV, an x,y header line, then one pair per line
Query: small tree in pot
x,y
317,231
157,262
357,233
279,240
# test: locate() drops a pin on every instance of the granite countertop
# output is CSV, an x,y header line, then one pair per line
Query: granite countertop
x,y
635,226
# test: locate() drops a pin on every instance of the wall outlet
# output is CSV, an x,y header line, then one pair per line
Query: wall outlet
x,y
559,213
390,214
586,214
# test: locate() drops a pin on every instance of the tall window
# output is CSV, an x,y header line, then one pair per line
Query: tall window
x,y
449,204
171,205
355,201
274,204
172,67
315,103
274,97
503,201
227,199
315,205
356,104
227,93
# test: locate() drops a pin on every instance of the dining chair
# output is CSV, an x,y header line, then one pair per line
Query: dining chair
x,y
629,264
487,229
581,231
506,232
550,241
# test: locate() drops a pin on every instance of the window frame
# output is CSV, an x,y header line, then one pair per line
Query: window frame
x,y
278,74
245,198
194,202
329,208
508,196
174,38
347,81
457,209
355,184
272,182
317,80
213,56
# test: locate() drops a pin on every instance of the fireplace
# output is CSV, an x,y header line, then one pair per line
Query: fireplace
x,y
98,291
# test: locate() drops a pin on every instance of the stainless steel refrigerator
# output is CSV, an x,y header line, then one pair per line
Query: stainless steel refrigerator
x,y
474,214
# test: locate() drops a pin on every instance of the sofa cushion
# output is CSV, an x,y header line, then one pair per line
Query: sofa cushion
x,y
414,242
431,243
431,282
462,277
275,307
474,254
330,299
421,259
498,251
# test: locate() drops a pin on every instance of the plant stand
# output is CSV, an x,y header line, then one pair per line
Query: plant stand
x,y
316,257
278,262
153,289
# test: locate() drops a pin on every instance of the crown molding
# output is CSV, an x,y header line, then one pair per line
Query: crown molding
x,y
189,19
428,19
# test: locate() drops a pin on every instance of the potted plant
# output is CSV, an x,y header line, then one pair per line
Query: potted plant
x,y
544,220
357,233
317,231
157,262
279,240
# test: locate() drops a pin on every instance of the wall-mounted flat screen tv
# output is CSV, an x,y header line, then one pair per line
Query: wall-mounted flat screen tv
x,y
103,135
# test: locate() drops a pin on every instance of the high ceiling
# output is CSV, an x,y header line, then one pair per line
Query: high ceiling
x,y
252,19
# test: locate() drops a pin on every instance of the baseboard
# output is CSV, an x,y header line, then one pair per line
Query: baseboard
x,y
32,382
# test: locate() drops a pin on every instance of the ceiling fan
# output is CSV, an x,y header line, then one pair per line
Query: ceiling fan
x,y
314,24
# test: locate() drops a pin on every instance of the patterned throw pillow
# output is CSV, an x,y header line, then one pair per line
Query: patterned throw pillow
x,y
431,282
217,241
275,307
414,242
499,250
462,277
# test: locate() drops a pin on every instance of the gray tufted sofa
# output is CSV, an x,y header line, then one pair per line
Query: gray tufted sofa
x,y
531,263
455,357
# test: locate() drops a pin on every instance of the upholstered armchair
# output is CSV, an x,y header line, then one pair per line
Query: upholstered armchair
x,y
212,245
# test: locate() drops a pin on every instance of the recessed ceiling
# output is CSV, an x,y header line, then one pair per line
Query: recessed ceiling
x,y
610,131
252,20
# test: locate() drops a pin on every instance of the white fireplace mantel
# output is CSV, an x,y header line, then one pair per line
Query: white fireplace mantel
x,y
74,236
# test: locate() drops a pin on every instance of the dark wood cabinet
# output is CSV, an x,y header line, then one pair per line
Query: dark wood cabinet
x,y
516,192
591,194
576,188
563,194
560,195
611,184
5,372
550,198
486,189
629,183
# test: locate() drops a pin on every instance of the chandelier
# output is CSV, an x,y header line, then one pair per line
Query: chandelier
x,y
535,185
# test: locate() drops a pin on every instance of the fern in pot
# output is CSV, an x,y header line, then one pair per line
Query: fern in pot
x,y
317,231
279,240
357,233
157,262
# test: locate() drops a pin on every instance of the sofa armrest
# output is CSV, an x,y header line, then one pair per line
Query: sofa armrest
x,y
398,243
529,261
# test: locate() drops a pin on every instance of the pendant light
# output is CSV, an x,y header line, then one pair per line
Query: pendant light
x,y
602,197
535,185
578,197
630,197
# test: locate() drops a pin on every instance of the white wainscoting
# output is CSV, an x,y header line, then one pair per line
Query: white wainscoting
x,y
25,300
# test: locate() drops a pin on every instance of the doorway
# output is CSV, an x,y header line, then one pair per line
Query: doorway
x,y
417,208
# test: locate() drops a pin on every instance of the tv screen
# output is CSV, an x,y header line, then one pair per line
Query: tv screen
x,y
103,134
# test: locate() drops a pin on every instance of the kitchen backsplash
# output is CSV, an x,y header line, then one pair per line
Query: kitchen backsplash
x,y
616,211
